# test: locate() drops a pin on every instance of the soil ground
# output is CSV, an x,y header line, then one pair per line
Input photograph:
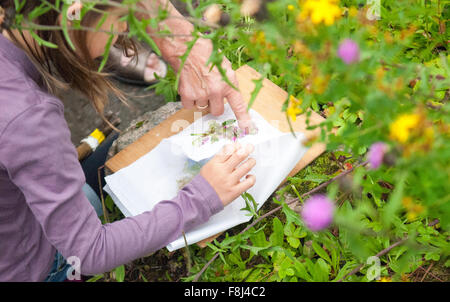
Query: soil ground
x,y
82,118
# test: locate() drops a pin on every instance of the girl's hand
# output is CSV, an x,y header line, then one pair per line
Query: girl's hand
x,y
224,172
201,87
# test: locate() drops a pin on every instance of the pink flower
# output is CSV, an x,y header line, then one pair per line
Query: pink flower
x,y
317,212
348,51
376,154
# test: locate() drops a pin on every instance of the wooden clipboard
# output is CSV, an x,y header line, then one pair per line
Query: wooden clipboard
x,y
268,104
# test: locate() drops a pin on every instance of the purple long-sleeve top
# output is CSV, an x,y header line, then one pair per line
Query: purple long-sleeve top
x,y
42,205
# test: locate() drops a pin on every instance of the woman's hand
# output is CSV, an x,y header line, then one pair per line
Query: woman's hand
x,y
200,87
225,171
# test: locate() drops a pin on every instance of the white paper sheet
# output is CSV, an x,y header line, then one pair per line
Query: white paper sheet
x,y
159,174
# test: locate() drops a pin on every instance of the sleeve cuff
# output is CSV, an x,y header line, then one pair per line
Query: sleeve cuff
x,y
208,193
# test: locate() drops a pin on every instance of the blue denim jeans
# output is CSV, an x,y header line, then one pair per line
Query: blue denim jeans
x,y
59,269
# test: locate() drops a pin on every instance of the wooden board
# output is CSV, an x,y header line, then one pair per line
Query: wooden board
x,y
268,103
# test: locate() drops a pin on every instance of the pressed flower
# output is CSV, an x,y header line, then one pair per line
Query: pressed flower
x,y
376,154
348,51
318,11
226,130
401,128
317,212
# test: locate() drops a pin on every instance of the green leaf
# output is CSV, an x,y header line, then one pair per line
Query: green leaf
x,y
41,42
447,263
321,271
119,272
320,251
302,272
138,28
183,59
394,204
250,205
254,94
64,26
259,239
20,5
276,238
95,278
294,242
102,21
345,269
432,256
254,249
107,49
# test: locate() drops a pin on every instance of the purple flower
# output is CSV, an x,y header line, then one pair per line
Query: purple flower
x,y
376,154
348,51
317,212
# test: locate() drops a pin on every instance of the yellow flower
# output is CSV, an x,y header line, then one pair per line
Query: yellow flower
x,y
401,128
413,209
293,109
258,37
407,202
385,279
429,134
405,278
304,70
388,37
352,11
414,212
319,84
290,7
319,11
329,111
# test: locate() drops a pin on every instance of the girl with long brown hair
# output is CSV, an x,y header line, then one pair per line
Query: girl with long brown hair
x,y
45,216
